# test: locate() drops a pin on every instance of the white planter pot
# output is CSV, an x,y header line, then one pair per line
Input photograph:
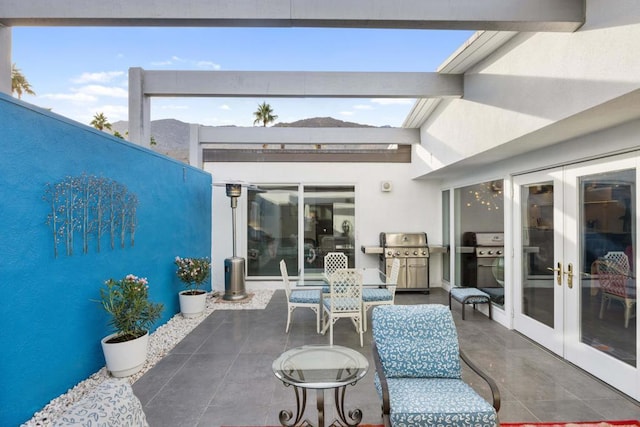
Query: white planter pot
x,y
192,305
125,358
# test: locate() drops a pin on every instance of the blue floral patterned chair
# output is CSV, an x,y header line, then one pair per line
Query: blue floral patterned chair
x,y
418,371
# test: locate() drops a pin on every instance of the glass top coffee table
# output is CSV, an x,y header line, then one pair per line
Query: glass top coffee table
x,y
320,367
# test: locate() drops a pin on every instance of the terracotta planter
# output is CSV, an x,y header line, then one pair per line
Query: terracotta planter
x,y
192,305
125,358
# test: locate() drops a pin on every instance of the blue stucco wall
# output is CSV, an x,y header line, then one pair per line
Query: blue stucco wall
x,y
51,328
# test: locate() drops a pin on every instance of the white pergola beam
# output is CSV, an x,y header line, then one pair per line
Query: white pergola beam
x,y
497,15
307,136
301,84
5,60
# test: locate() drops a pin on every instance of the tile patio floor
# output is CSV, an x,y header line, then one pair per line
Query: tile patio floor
x,y
220,374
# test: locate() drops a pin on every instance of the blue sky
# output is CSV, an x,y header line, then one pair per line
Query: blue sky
x,y
79,71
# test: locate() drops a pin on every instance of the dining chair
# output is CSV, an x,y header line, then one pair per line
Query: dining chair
x,y
344,300
309,298
334,261
372,296
616,283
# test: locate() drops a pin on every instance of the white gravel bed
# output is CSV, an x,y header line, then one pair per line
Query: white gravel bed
x,y
160,343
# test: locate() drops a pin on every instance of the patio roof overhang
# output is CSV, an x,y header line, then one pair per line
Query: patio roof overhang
x,y
505,15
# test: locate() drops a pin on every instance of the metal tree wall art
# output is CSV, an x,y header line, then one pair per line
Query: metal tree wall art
x,y
86,208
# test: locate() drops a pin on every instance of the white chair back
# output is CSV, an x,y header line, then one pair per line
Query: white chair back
x,y
285,278
334,261
346,291
392,278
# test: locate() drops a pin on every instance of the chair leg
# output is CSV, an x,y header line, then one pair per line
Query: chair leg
x,y
364,314
602,303
331,332
289,315
318,314
360,328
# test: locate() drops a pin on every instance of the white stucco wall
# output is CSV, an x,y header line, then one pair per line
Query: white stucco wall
x,y
411,206
537,79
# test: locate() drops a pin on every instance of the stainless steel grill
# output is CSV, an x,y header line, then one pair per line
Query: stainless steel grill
x,y
412,250
483,259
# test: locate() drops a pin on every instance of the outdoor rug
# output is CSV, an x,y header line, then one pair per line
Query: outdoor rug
x,y
628,423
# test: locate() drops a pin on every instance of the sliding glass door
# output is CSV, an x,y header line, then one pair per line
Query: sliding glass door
x,y
280,227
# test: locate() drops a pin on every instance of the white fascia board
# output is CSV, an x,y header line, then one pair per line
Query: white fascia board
x,y
509,15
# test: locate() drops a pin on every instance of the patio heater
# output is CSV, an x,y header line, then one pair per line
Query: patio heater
x,y
234,289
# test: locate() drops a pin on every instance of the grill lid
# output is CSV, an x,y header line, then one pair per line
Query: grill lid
x,y
404,240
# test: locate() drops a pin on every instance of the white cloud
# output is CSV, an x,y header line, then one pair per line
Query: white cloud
x,y
363,107
73,97
99,90
101,77
346,113
208,65
393,101
114,112
225,107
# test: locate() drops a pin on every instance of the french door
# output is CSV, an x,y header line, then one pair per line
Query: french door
x,y
574,239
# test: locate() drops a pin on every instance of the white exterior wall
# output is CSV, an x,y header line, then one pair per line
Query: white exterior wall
x,y
411,206
537,79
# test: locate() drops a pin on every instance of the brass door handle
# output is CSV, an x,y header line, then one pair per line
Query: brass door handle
x,y
569,274
559,275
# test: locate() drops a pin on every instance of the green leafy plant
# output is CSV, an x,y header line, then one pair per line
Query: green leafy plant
x,y
127,301
193,272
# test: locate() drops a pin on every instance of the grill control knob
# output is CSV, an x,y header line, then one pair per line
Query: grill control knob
x,y
397,253
480,252
406,252
415,252
490,253
498,252
389,253
424,252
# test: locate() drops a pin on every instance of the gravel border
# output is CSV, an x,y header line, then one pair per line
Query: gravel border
x,y
161,342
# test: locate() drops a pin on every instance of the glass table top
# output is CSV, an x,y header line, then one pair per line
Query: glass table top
x,y
320,366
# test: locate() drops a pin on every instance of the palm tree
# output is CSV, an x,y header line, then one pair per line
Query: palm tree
x,y
100,122
264,114
19,83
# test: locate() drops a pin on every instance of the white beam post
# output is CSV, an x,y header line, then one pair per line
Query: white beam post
x,y
5,59
139,108
195,151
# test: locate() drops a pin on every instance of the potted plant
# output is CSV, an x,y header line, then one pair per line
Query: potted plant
x,y
192,272
132,315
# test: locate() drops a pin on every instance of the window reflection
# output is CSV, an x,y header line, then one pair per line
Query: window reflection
x,y
479,209
272,230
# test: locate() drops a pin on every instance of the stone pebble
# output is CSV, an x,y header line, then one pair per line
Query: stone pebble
x,y
161,341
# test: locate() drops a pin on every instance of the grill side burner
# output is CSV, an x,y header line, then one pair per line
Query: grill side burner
x,y
413,252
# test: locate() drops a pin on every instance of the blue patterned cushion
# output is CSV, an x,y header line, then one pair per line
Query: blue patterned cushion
x,y
416,341
376,294
436,402
111,404
474,295
308,296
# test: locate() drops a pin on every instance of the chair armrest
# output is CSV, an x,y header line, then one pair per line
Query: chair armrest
x,y
386,406
492,384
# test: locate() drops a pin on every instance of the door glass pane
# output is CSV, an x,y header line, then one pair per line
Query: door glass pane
x,y
607,255
537,252
272,230
329,224
478,208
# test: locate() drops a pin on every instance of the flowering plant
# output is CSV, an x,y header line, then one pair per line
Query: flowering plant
x,y
127,301
193,272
